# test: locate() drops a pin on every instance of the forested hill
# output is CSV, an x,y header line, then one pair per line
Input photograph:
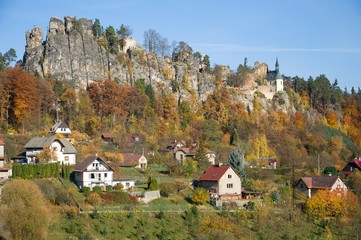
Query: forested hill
x,y
104,81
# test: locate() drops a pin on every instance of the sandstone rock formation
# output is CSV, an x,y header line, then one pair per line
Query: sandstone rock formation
x,y
71,53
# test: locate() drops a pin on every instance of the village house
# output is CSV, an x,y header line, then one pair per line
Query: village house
x,y
134,160
5,172
60,150
310,185
174,146
351,166
184,152
62,128
222,182
93,171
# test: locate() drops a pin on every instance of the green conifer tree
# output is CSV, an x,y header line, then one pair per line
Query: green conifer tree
x,y
236,160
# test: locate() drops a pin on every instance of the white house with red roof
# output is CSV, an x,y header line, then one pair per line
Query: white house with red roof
x,y
221,180
310,185
93,171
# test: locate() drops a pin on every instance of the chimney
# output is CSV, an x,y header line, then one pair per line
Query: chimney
x,y
219,164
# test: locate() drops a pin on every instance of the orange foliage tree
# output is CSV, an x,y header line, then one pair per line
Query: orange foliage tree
x,y
24,96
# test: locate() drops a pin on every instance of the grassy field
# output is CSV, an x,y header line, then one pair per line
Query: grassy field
x,y
155,171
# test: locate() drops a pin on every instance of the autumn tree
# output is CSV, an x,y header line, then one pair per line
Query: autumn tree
x,y
68,104
327,206
24,96
27,213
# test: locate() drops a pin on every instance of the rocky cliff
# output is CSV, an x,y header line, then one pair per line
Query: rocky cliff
x,y
71,53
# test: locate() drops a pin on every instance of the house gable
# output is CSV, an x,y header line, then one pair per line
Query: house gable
x,y
221,179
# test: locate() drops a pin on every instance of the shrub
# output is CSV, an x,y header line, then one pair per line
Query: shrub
x,y
200,196
167,189
119,186
97,189
93,198
86,190
108,188
107,197
121,197
153,184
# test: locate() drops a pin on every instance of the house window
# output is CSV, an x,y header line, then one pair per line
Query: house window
x,y
229,185
66,158
229,176
301,185
92,176
127,184
181,156
105,175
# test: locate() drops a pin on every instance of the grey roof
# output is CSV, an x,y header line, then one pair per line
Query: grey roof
x,y
59,124
68,147
41,142
81,167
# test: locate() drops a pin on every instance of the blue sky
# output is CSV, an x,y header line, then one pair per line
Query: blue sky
x,y
308,37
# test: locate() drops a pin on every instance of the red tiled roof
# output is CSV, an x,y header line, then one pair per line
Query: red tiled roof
x,y
130,159
214,173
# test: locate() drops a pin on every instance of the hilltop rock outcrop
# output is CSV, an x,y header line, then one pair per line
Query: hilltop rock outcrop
x,y
71,53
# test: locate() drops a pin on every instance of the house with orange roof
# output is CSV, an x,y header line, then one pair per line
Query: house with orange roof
x,y
310,185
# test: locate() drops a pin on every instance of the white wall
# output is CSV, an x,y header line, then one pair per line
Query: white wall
x,y
235,180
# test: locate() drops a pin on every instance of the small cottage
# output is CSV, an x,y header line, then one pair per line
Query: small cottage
x,y
351,166
62,128
310,185
134,160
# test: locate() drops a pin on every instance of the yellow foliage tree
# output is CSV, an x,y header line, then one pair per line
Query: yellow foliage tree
x,y
259,148
326,205
27,213
200,196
